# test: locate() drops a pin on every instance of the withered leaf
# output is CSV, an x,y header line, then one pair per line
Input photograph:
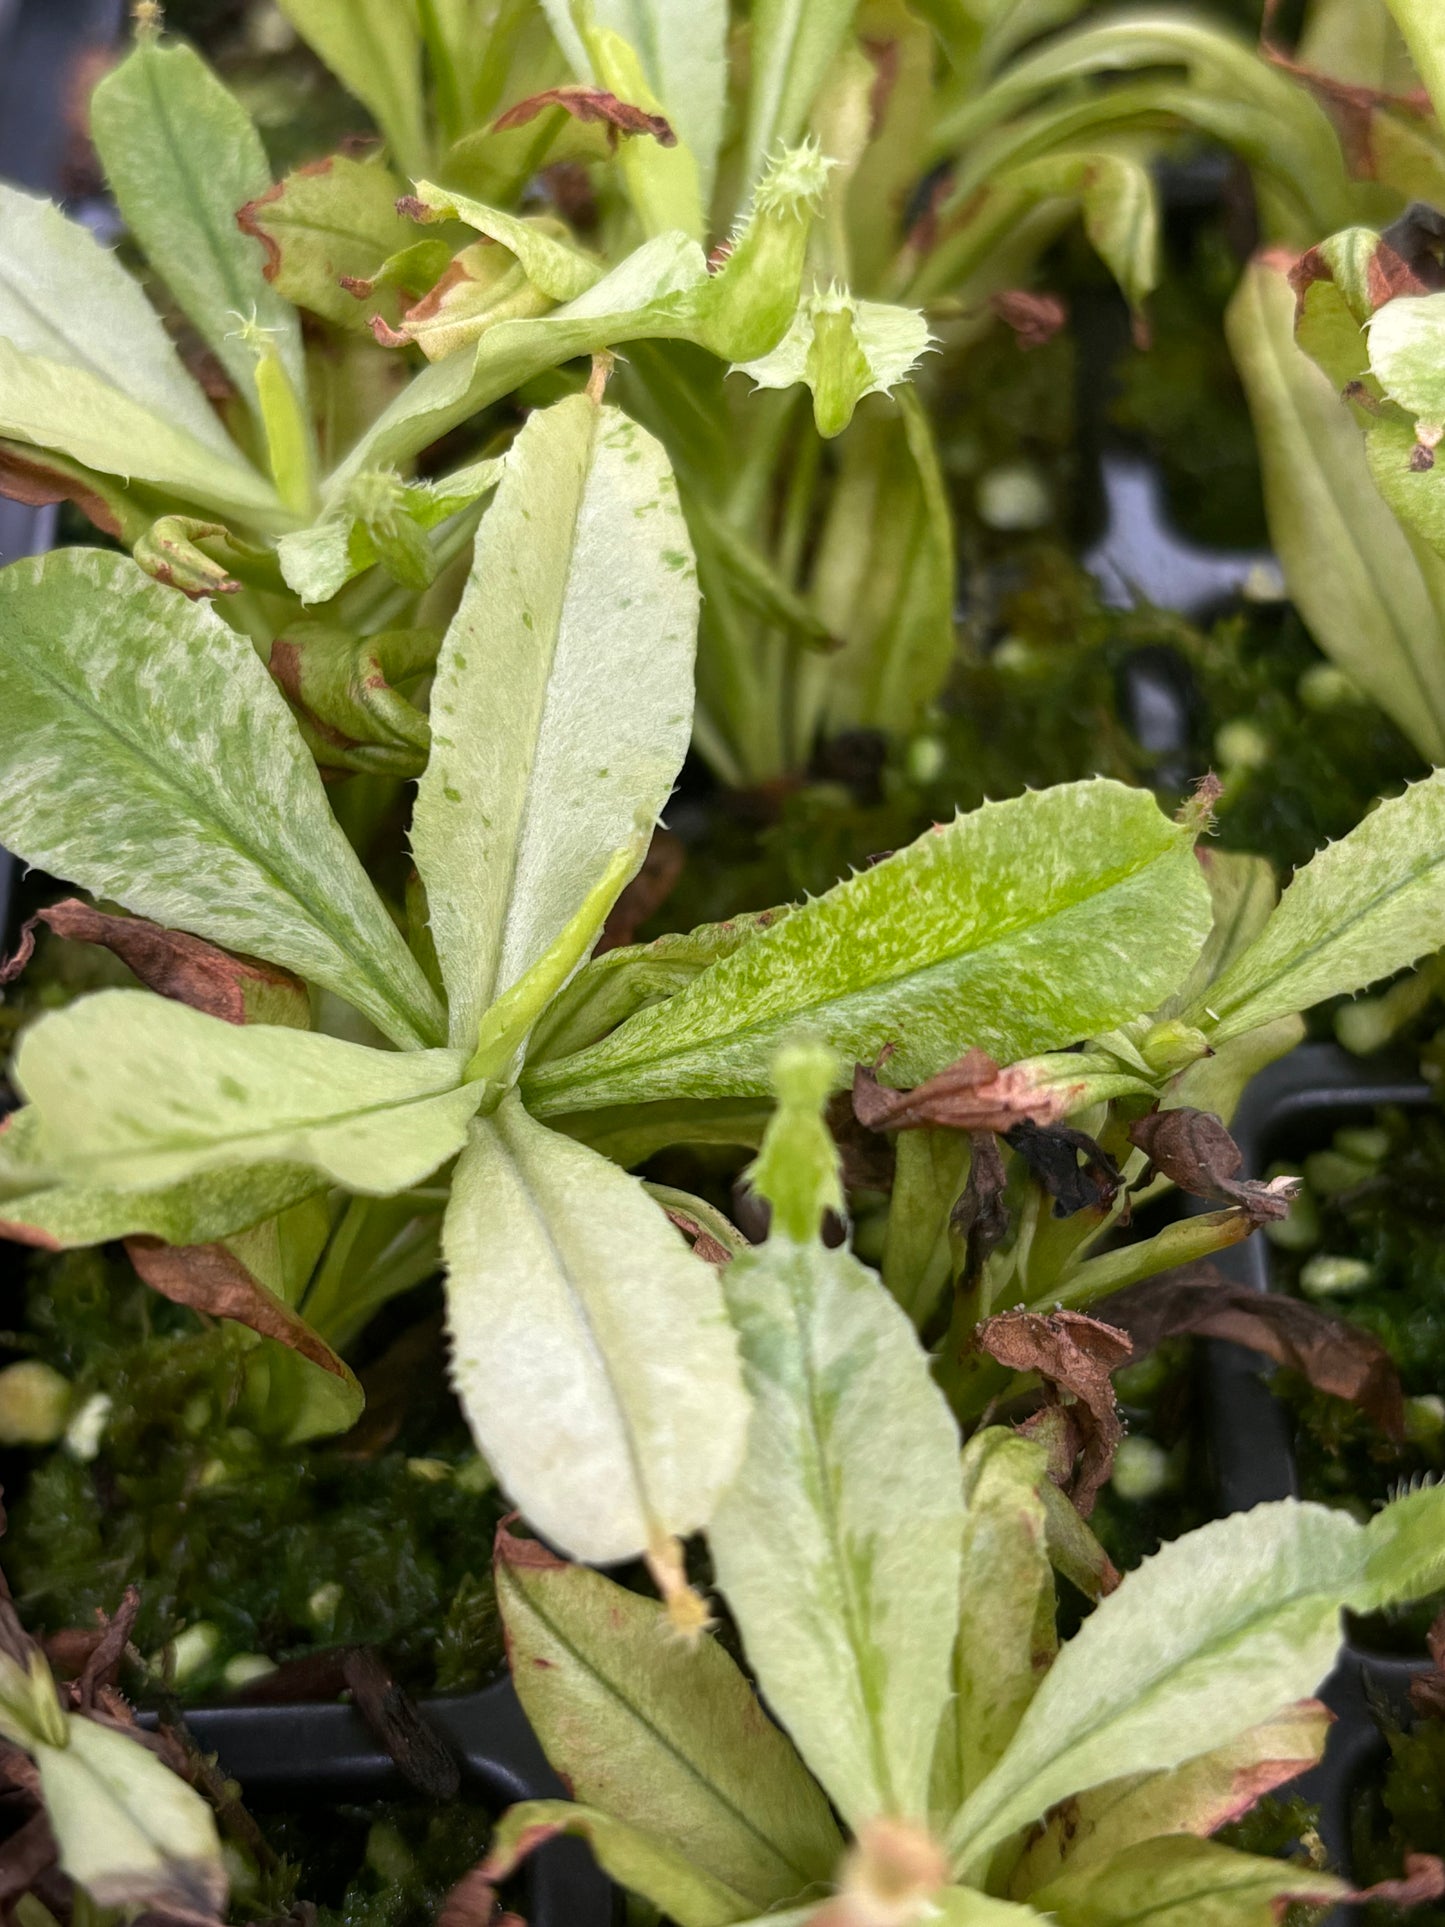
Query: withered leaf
x,y
186,969
1424,1879
417,1748
1334,1355
980,1216
103,1661
1074,1355
27,477
212,1279
1077,1173
1034,318
1195,1151
647,892
590,104
472,1902
971,1094
869,1160
711,1250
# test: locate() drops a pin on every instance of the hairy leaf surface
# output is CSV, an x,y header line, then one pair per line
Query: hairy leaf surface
x,y
590,1349
562,700
669,1738
1213,1633
146,755
838,1543
1360,910
1021,927
132,1089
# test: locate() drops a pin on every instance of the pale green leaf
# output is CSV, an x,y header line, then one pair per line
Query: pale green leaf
x,y
682,47
610,988
884,576
1116,196
549,261
1406,1550
664,1736
1182,1882
319,561
373,48
1024,926
1198,1797
967,1907
66,299
1213,1633
1006,1638
844,349
55,405
570,1295
792,46
1360,910
1371,601
1407,353
132,1089
662,181
562,700
130,1831
838,1543
1424,30
930,1171
635,1858
181,155
331,218
663,290
189,796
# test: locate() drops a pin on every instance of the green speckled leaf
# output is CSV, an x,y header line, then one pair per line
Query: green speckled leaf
x,y
1407,353
562,701
182,156
1360,910
664,1736
1213,1634
146,755
837,1545
590,1349
132,1089
1022,927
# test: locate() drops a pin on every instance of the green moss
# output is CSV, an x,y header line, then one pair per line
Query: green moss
x,y
282,1549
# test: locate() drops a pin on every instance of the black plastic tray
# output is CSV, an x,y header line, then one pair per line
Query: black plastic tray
x,y
1316,1089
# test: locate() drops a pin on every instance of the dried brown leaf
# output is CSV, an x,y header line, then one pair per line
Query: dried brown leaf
x,y
1034,318
704,1245
472,1902
1424,1879
103,1661
30,479
25,1855
1427,1692
1077,1173
590,104
972,1094
1334,1355
1074,1355
417,1748
1195,1151
212,1279
236,989
980,1217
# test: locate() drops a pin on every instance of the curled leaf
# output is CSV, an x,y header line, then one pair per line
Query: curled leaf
x,y
980,1216
239,990
1077,1173
1196,1152
1334,1355
169,550
586,104
344,695
1074,1355
972,1094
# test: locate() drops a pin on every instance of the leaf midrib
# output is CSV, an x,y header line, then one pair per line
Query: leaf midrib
x,y
799,1013
1112,1714
663,1740
228,834
1338,933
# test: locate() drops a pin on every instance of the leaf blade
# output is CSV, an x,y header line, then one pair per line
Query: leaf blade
x,y
203,811
569,1293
